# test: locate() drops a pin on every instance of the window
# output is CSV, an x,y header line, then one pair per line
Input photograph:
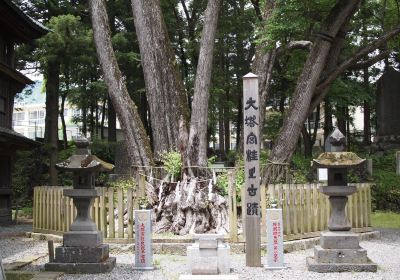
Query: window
x,y
33,115
36,115
19,116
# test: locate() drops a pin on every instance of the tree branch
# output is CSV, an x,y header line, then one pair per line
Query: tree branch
x,y
294,45
323,85
371,61
256,5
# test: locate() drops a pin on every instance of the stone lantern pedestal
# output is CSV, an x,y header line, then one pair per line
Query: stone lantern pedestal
x,y
83,250
339,249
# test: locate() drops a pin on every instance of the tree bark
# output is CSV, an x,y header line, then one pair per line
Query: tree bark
x,y
103,118
51,120
138,144
367,110
64,127
307,82
197,143
164,89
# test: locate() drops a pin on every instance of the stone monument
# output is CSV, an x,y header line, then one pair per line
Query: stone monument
x,y
209,255
275,256
339,249
387,111
143,240
83,250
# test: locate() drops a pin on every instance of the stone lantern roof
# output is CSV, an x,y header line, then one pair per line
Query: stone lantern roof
x,y
338,160
84,160
335,156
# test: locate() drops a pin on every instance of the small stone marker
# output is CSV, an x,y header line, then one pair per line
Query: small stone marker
x,y
398,163
2,274
209,255
143,240
251,115
275,255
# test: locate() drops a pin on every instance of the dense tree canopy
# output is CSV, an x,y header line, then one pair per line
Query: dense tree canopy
x,y
178,67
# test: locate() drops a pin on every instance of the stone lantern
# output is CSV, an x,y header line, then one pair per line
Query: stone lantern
x,y
339,248
83,250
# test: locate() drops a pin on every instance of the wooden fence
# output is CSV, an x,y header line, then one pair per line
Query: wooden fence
x,y
53,213
305,210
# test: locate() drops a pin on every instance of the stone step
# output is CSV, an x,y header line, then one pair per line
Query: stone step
x,y
312,265
81,254
339,240
340,255
209,277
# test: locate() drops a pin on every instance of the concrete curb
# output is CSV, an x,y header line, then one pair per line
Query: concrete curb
x,y
180,248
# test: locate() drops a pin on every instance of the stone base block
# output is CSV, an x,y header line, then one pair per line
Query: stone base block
x,y
82,239
339,240
81,254
89,268
312,265
209,277
340,255
209,261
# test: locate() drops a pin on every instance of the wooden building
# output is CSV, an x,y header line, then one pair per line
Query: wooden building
x,y
15,28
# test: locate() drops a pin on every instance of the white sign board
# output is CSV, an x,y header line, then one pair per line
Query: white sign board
x,y
275,256
143,240
322,174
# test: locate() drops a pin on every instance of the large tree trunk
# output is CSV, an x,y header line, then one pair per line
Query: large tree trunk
x,y
164,88
298,111
138,145
264,62
112,122
367,111
64,126
51,121
197,144
187,208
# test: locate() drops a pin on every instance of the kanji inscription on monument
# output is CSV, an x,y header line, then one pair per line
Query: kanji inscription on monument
x,y
251,117
274,239
143,242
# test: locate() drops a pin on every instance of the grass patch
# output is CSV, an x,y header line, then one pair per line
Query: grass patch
x,y
385,219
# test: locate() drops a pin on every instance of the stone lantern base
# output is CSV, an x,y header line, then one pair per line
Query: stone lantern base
x,y
83,255
339,251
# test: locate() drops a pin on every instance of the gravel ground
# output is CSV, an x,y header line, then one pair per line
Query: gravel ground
x,y
384,251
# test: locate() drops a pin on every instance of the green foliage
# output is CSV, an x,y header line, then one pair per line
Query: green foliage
x,y
30,170
172,162
123,184
272,124
222,181
104,150
386,189
301,169
211,160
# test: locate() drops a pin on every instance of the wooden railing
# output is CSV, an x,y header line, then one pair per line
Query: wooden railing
x,y
305,210
53,213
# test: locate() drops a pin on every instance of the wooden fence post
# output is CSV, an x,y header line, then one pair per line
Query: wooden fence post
x,y
232,208
263,197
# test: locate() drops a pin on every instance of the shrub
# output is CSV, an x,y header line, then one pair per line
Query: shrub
x,y
172,162
386,188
